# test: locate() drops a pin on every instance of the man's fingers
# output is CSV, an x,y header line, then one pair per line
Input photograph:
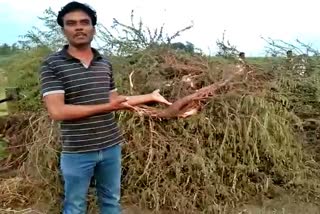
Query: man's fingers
x,y
165,101
127,105
122,99
169,103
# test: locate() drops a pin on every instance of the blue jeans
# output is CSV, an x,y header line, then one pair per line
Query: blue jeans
x,y
77,171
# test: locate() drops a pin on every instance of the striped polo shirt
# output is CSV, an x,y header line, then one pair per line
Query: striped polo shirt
x,y
82,85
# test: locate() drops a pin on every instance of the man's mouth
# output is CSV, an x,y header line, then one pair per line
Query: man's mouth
x,y
80,35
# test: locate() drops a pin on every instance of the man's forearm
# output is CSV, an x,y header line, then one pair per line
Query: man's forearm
x,y
58,110
140,99
73,112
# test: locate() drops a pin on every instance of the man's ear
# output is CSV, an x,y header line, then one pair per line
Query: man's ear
x,y
62,31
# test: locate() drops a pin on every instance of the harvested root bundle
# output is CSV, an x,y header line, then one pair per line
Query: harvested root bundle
x,y
185,73
185,106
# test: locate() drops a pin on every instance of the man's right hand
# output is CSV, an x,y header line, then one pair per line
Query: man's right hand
x,y
119,103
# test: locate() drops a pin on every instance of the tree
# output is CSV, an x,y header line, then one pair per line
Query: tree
x,y
50,37
226,50
5,49
126,39
188,47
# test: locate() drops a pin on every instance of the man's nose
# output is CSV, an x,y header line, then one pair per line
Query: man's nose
x,y
79,28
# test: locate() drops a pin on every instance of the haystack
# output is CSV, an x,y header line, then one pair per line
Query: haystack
x,y
229,140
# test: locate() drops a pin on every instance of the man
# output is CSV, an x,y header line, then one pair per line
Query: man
x,y
290,60
289,54
242,56
78,89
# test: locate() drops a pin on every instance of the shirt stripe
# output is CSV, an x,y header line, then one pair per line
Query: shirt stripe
x,y
61,73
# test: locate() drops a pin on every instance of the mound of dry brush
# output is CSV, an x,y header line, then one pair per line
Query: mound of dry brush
x,y
226,138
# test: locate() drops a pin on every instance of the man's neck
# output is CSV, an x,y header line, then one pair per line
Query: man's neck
x,y
81,52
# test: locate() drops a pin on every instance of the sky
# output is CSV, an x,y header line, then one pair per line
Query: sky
x,y
244,22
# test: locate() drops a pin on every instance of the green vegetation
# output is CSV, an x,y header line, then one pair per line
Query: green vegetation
x,y
3,83
3,144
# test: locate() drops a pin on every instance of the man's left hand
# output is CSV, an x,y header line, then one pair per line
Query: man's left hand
x,y
157,97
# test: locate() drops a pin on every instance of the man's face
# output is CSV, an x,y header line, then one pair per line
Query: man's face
x,y
77,28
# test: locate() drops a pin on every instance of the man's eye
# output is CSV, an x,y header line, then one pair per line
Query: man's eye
x,y
85,22
70,23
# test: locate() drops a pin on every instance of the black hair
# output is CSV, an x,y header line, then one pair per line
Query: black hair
x,y
73,6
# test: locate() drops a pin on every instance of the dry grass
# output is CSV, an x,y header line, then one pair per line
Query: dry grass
x,y
208,162
33,163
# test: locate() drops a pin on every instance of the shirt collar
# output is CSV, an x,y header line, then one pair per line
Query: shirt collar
x,y
65,54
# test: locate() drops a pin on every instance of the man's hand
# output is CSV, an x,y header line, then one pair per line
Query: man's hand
x,y
119,102
157,97
132,101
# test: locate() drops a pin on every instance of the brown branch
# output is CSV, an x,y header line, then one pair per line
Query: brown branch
x,y
130,80
187,105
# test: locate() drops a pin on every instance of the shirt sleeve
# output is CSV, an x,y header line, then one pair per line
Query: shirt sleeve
x,y
49,82
112,83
